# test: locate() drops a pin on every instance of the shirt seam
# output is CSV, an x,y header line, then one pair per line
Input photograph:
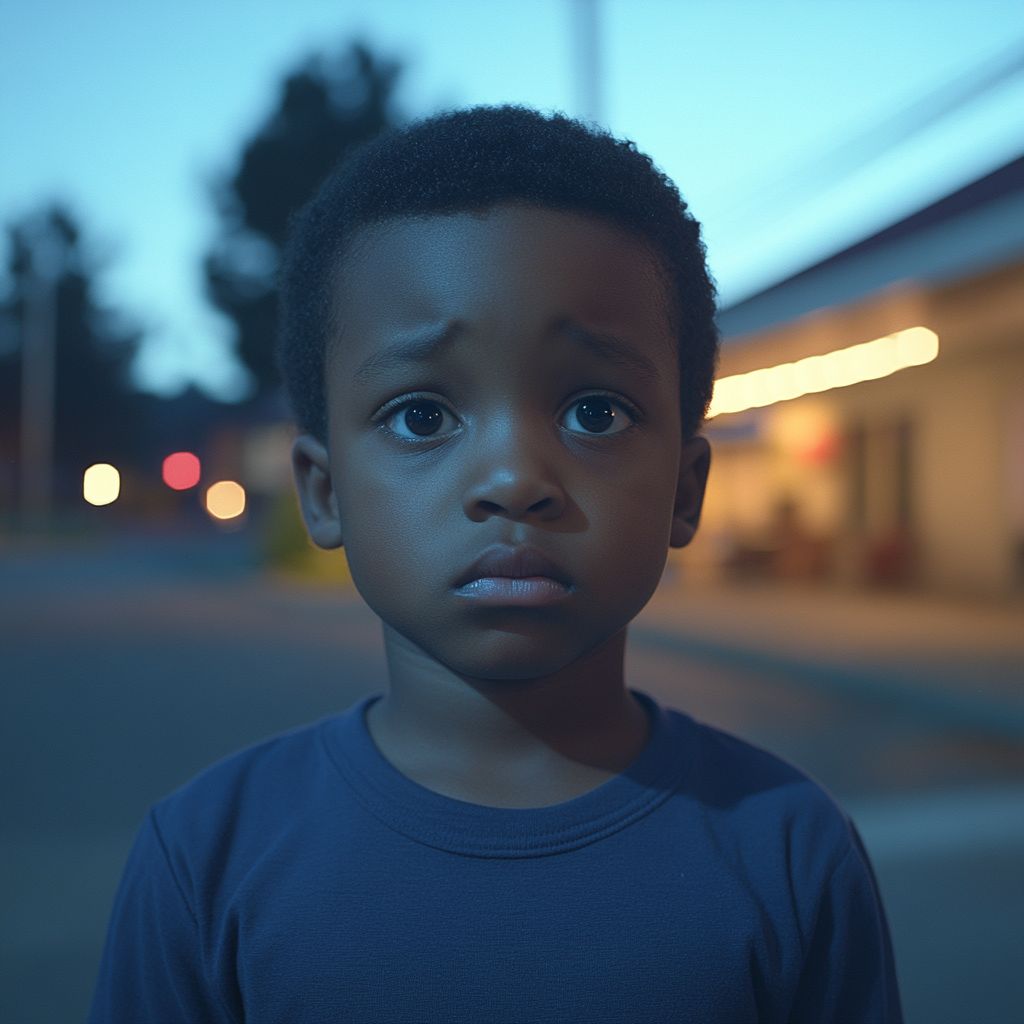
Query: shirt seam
x,y
212,989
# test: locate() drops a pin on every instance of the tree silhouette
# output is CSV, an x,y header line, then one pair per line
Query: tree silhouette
x,y
97,415
327,107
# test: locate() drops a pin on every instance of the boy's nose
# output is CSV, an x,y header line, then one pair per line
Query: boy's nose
x,y
514,492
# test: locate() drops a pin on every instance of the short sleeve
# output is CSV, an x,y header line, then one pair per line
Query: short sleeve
x,y
849,975
151,970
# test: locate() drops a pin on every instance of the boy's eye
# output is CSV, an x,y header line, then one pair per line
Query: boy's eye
x,y
596,415
421,419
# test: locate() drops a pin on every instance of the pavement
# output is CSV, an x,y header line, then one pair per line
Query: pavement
x,y
129,667
961,661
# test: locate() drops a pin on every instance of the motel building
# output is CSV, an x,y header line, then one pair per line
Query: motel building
x,y
882,443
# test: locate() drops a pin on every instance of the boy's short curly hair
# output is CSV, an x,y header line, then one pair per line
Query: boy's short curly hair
x,y
473,160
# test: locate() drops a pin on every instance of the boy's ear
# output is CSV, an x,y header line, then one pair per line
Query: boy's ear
x,y
316,491
694,463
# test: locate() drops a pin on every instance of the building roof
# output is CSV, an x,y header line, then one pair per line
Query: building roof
x,y
975,228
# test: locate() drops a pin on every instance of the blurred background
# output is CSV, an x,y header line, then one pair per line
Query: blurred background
x,y
855,598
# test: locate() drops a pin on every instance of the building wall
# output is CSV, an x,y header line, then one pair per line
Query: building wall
x,y
912,478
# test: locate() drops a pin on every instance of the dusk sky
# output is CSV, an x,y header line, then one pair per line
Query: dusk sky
x,y
128,111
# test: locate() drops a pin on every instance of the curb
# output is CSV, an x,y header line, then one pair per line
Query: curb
x,y
917,694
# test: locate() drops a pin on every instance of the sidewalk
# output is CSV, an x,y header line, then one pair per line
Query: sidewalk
x,y
959,661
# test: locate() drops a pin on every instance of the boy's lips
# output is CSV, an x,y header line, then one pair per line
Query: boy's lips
x,y
505,575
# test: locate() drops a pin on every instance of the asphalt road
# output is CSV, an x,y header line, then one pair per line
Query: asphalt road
x,y
124,672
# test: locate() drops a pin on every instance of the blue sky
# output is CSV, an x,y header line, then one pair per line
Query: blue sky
x,y
129,110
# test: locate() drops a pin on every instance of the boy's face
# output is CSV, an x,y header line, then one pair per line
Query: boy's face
x,y
504,462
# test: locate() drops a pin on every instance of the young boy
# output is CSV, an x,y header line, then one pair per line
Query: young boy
x,y
499,343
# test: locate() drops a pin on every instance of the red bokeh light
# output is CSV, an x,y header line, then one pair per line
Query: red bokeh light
x,y
181,470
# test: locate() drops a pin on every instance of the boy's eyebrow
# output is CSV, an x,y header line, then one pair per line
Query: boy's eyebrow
x,y
613,348
418,349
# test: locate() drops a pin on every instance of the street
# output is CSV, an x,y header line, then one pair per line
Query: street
x,y
126,671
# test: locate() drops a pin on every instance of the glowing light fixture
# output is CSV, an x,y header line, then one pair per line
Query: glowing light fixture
x,y
839,369
101,484
225,500
181,471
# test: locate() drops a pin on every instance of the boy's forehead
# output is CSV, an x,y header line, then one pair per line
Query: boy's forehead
x,y
519,268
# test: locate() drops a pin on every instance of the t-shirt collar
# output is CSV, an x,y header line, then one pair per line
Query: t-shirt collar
x,y
474,830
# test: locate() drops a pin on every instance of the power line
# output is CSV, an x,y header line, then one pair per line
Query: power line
x,y
821,172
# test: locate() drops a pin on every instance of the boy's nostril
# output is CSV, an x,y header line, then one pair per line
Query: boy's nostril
x,y
492,508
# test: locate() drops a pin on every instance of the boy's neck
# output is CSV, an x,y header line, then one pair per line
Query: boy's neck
x,y
506,743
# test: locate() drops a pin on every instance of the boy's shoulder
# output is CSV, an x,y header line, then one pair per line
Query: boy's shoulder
x,y
730,772
251,793
760,805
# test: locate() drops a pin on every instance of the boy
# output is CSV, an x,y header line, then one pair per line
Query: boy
x,y
499,344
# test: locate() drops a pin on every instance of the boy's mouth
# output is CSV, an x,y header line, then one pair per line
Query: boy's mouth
x,y
522,576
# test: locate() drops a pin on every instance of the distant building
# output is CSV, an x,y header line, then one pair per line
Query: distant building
x,y
915,478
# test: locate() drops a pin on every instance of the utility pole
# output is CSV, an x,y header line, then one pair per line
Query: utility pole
x,y
38,380
586,32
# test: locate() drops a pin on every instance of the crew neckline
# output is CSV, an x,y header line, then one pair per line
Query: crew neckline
x,y
477,830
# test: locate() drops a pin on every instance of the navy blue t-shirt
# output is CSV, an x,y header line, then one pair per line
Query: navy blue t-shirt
x,y
307,880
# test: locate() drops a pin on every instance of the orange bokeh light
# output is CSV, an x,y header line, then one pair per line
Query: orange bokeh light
x,y
225,500
182,471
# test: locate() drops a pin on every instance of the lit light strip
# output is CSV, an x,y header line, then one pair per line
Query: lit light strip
x,y
839,369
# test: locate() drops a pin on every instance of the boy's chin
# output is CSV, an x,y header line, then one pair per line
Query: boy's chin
x,y
513,657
